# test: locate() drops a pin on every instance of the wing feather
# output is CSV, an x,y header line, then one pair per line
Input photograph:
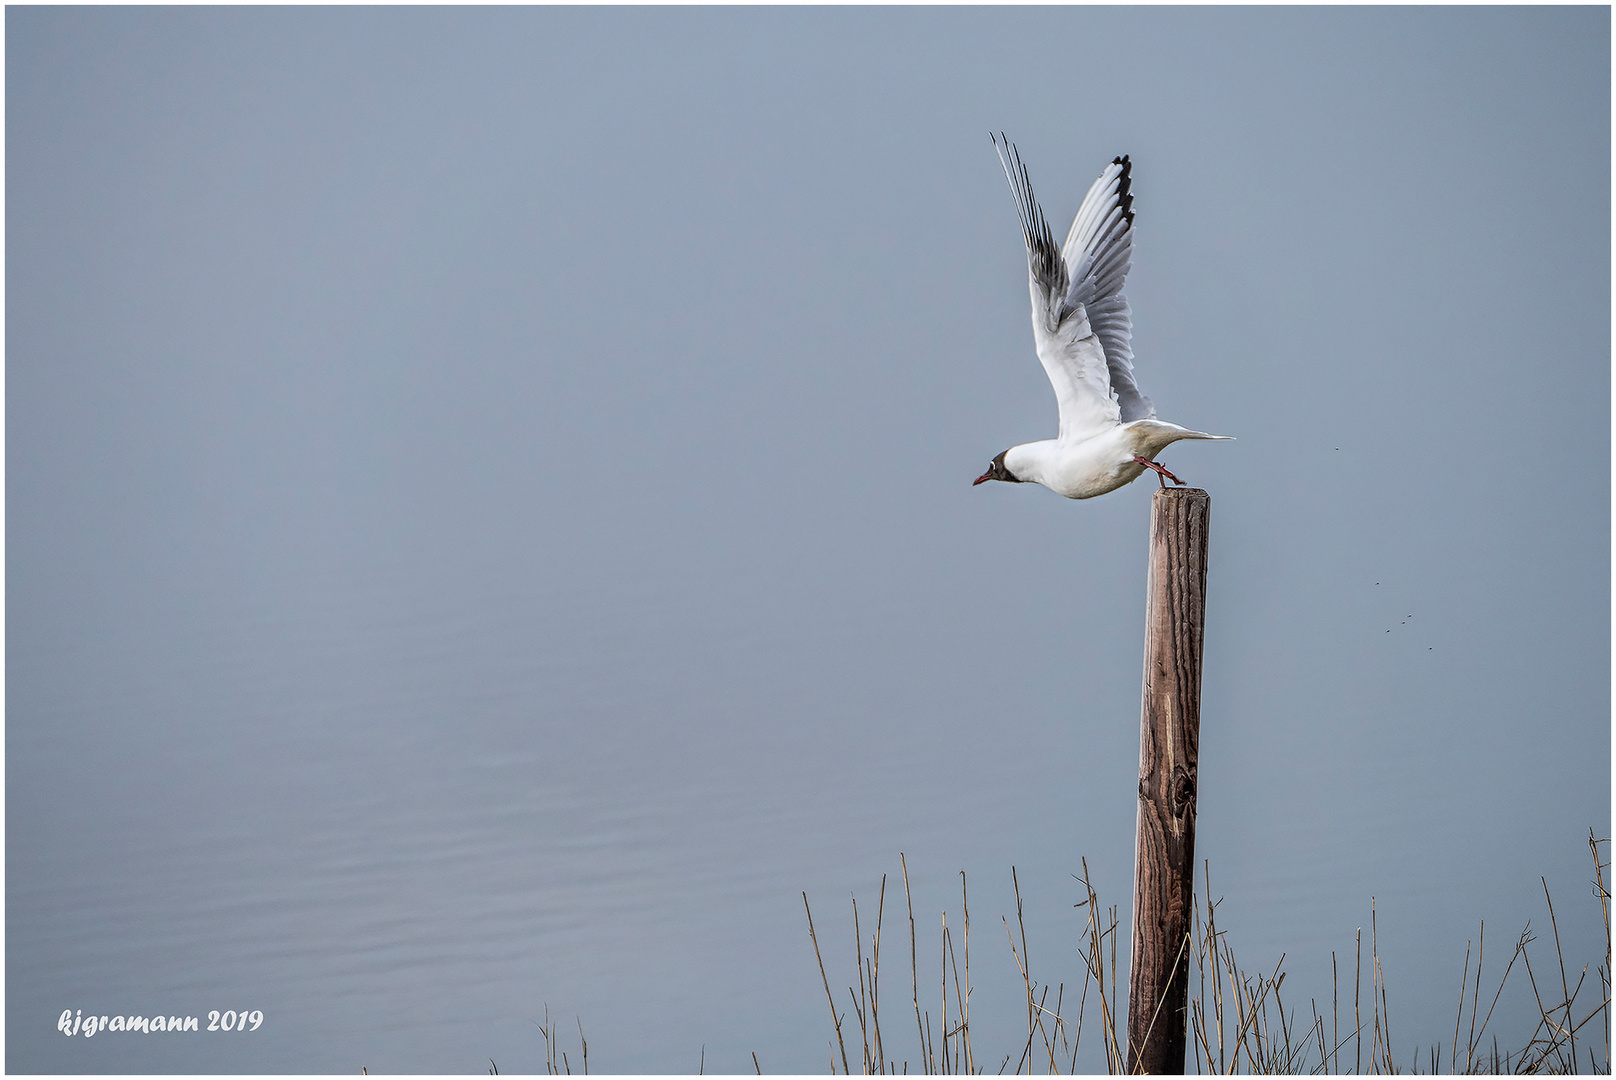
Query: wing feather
x,y
1072,353
1046,268
1098,254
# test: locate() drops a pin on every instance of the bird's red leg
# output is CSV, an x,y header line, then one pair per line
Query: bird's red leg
x,y
1161,471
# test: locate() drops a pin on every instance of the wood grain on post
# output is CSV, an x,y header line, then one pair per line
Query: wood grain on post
x,y
1169,744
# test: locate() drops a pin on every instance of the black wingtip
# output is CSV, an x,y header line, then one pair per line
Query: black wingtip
x,y
1125,187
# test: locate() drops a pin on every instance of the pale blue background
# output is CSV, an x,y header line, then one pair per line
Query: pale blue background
x,y
489,518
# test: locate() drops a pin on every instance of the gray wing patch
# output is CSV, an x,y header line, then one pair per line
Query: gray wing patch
x,y
1098,254
1047,266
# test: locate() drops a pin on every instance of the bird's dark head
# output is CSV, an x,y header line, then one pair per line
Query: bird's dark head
x,y
998,471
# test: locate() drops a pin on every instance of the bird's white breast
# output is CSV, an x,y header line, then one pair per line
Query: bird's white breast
x,y
1078,470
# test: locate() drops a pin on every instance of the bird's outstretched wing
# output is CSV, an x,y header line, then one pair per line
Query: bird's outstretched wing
x,y
1072,354
1097,254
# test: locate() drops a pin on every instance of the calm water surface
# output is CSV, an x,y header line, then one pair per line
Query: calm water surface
x,y
402,839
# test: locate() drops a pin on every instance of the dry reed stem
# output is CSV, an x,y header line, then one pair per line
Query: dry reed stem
x,y
1458,1018
1571,1036
833,1015
1335,1008
1603,892
1094,967
547,1029
965,1001
1023,959
914,967
875,974
859,1008
1475,996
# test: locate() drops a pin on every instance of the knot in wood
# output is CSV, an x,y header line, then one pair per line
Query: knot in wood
x,y
1181,791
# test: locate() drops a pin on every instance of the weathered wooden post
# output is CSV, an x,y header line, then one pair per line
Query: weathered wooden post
x,y
1169,744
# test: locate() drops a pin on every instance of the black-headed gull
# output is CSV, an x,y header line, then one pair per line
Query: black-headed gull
x,y
1109,434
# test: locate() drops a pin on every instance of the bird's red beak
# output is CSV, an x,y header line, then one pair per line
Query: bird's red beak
x,y
985,476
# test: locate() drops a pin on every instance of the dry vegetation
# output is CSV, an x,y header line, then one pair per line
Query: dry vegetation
x,y
1238,1020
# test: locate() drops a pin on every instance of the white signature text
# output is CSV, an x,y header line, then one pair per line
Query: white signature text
x,y
73,1022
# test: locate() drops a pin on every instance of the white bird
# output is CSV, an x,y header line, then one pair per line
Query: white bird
x,y
1109,434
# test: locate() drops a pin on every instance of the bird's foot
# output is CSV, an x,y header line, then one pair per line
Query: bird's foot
x,y
1161,471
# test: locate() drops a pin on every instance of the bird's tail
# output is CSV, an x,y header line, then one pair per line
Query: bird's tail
x,y
1151,437
1161,429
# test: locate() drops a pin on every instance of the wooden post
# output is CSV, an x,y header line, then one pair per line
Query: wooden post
x,y
1169,744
